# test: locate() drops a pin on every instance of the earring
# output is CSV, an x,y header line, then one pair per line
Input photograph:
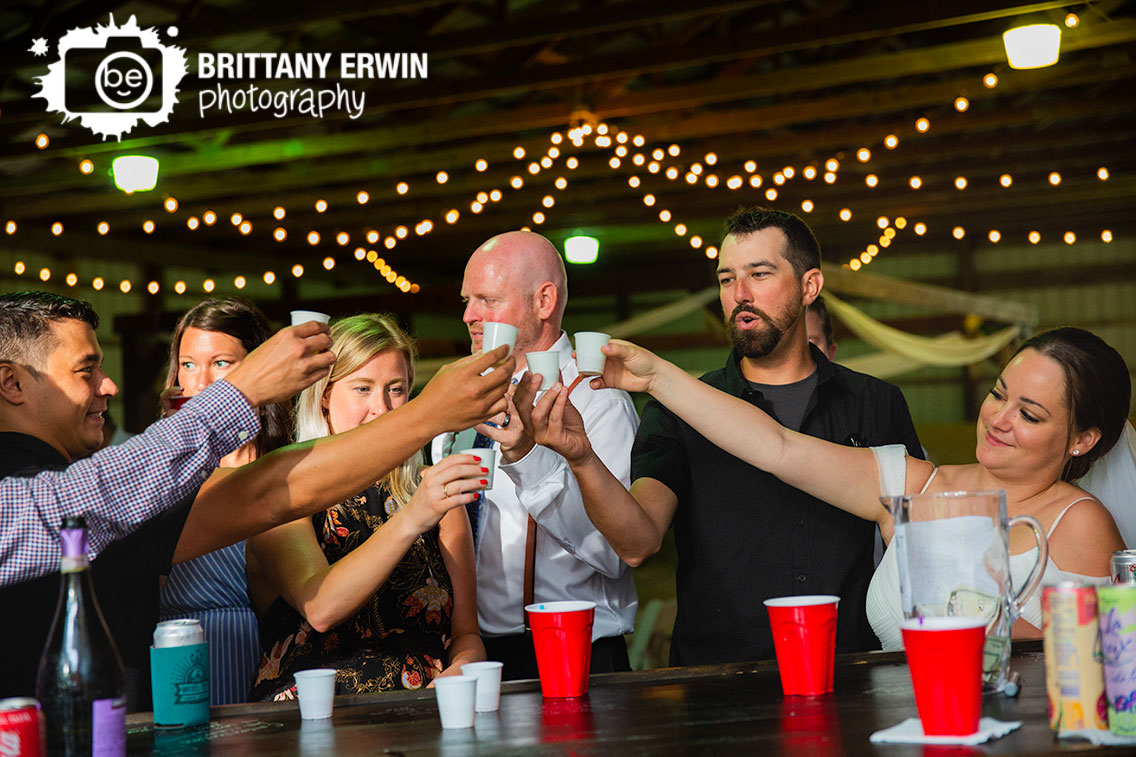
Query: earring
x,y
1076,452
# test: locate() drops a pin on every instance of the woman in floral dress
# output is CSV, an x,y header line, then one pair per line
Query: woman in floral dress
x,y
380,587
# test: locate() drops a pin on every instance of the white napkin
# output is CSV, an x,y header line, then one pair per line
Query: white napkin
x,y
910,731
1107,738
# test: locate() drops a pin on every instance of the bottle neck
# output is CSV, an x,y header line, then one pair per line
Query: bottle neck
x,y
74,543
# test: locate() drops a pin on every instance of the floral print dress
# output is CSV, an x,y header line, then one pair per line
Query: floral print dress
x,y
397,640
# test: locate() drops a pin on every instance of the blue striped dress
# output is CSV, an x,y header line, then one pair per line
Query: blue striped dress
x,y
213,588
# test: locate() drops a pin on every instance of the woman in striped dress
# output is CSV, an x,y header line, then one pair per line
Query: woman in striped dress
x,y
209,341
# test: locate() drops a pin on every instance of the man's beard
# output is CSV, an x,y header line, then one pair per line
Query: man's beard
x,y
759,341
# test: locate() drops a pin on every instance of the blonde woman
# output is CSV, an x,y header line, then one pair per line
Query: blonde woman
x,y
381,586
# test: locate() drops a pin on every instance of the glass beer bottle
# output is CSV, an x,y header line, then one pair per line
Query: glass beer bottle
x,y
80,686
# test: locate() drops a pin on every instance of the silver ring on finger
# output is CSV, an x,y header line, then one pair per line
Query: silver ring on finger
x,y
505,423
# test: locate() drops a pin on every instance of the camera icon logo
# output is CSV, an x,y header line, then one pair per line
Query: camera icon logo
x,y
124,75
112,77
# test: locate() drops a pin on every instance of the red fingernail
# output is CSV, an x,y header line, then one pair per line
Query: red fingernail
x,y
484,470
484,482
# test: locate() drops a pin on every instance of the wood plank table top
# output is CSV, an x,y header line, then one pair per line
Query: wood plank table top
x,y
723,709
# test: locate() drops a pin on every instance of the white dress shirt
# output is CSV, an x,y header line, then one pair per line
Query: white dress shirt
x,y
573,561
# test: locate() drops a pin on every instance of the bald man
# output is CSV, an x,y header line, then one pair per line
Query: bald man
x,y
533,539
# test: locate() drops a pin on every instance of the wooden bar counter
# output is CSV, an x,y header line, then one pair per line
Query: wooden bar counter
x,y
712,710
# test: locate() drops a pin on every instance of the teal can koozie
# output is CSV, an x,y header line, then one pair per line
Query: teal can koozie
x,y
179,674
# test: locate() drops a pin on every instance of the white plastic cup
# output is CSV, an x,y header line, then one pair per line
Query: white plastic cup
x,y
488,675
303,316
494,334
589,358
456,696
488,458
316,691
547,364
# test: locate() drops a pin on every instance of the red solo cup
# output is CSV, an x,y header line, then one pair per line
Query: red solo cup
x,y
804,637
177,402
945,657
562,639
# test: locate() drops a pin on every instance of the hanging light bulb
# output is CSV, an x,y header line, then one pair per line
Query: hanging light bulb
x,y
1033,46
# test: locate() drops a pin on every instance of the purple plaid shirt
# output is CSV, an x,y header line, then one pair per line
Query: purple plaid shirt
x,y
118,488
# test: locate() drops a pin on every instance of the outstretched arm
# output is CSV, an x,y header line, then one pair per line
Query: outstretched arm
x,y
845,477
300,479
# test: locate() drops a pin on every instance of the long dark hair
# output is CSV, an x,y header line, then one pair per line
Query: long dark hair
x,y
245,322
1098,389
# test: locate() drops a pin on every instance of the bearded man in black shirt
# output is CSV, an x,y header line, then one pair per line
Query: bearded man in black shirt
x,y
741,534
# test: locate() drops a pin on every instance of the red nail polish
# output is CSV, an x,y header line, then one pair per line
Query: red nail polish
x,y
484,482
484,470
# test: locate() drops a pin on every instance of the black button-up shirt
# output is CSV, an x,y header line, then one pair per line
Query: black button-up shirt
x,y
744,536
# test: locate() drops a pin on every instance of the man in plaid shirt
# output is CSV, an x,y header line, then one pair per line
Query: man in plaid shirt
x,y
52,387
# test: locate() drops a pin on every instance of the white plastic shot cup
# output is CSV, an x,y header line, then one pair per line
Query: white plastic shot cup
x,y
303,316
547,364
494,334
316,691
488,457
589,358
488,675
456,696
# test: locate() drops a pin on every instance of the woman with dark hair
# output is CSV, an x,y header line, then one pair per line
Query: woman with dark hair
x,y
1059,404
210,340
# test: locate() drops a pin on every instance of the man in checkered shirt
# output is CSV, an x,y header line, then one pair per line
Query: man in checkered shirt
x,y
52,397
52,387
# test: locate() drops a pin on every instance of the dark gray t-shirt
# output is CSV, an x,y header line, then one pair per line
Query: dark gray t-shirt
x,y
789,401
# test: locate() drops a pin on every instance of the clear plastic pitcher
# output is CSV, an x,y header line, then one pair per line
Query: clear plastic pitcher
x,y
953,554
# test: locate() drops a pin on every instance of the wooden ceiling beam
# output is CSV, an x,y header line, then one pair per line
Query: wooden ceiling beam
x,y
576,73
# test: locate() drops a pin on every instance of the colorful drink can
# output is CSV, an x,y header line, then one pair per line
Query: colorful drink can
x,y
1074,677
1124,566
1118,645
179,674
21,728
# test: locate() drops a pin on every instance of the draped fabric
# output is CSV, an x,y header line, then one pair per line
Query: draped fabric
x,y
952,349
1112,480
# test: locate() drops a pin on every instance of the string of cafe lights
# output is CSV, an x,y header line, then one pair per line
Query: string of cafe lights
x,y
605,136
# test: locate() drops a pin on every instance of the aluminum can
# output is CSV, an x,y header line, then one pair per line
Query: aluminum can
x,y
1074,675
1124,566
179,674
1118,644
178,633
21,728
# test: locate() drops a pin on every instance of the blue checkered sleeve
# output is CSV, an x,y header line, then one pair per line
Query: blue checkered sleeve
x,y
118,488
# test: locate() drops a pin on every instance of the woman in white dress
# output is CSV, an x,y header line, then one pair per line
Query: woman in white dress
x,y
1059,404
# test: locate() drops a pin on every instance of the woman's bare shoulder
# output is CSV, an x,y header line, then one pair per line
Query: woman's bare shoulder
x,y
951,477
1081,509
1085,535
